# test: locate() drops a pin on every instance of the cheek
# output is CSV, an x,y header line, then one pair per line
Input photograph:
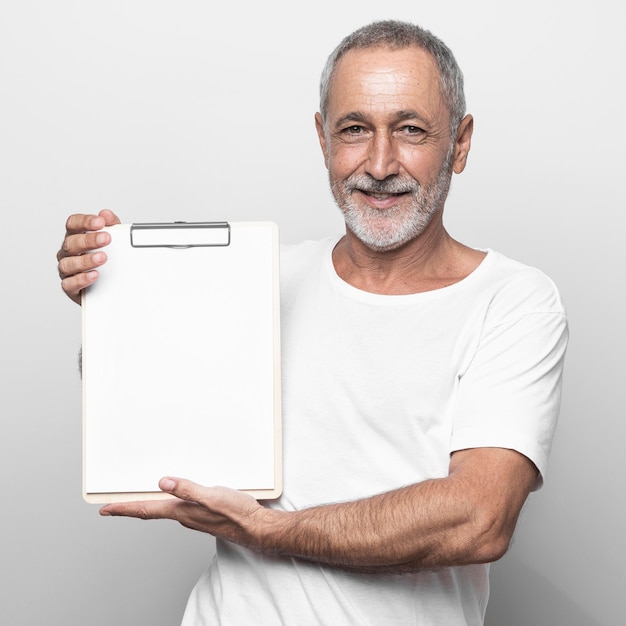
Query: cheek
x,y
420,165
342,161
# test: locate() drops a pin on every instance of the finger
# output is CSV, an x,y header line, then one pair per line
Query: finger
x,y
184,489
222,502
208,497
77,261
72,265
81,235
149,509
83,222
109,217
157,509
82,243
79,272
73,285
205,509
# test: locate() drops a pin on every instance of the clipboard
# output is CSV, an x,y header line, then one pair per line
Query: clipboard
x,y
181,361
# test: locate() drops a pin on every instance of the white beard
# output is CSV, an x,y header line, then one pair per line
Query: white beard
x,y
388,229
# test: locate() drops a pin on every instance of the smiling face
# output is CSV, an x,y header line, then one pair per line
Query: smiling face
x,y
387,144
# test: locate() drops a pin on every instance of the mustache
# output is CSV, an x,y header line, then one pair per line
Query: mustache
x,y
391,184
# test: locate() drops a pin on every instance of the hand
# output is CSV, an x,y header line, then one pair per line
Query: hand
x,y
219,511
76,257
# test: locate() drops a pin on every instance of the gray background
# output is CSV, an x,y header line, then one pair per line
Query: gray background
x,y
180,110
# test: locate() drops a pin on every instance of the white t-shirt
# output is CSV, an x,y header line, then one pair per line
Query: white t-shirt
x,y
377,392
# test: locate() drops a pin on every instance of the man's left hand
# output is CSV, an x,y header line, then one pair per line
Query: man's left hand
x,y
222,512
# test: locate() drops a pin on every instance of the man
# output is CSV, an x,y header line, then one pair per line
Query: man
x,y
421,378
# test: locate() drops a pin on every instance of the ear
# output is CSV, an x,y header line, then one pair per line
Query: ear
x,y
462,144
321,135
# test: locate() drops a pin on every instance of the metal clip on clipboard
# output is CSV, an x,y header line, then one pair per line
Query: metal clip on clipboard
x,y
180,234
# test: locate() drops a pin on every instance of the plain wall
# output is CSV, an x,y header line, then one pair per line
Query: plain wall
x,y
195,110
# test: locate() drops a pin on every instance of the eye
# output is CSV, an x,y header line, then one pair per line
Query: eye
x,y
411,134
355,133
354,130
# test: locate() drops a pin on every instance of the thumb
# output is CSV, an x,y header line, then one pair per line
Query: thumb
x,y
181,488
167,484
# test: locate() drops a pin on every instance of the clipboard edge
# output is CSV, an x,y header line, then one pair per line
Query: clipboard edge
x,y
260,494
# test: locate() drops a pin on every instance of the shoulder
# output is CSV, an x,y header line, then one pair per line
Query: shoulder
x,y
305,249
518,289
306,256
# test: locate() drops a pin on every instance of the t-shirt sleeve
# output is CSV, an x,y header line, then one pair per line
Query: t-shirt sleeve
x,y
509,395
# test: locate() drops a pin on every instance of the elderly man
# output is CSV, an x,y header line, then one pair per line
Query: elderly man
x,y
421,377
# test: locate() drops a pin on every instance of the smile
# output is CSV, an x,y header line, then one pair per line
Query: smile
x,y
382,196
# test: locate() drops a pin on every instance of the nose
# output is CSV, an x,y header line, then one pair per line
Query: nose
x,y
382,159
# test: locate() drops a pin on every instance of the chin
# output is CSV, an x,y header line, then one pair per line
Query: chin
x,y
385,237
377,245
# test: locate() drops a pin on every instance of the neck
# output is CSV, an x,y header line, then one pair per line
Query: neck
x,y
430,261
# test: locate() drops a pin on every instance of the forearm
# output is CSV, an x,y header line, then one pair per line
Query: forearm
x,y
430,524
464,518
387,531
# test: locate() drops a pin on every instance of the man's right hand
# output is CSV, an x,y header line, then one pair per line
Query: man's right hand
x,y
80,253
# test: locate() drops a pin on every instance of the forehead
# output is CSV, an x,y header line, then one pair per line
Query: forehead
x,y
382,79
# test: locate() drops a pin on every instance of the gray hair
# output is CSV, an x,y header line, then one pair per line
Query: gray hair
x,y
396,34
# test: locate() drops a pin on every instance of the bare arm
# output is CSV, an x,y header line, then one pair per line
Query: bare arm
x,y
80,253
467,517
